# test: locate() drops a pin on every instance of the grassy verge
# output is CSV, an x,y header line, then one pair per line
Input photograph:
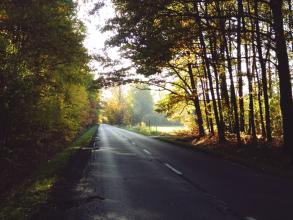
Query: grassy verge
x,y
154,131
29,197
143,130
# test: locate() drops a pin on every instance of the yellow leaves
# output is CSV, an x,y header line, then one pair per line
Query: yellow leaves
x,y
61,9
157,23
187,22
117,107
176,7
3,15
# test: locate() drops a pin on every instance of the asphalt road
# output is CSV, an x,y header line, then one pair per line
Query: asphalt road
x,y
131,176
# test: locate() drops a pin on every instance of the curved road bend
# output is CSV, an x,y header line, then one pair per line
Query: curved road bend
x,y
132,176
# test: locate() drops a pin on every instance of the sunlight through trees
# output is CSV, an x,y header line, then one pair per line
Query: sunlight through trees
x,y
229,60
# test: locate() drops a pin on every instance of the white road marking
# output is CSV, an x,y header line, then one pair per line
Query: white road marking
x,y
250,218
146,151
173,169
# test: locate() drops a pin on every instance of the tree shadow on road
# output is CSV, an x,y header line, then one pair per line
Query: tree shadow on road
x,y
63,195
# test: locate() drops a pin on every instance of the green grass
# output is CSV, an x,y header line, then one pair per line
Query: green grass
x,y
156,131
30,196
169,129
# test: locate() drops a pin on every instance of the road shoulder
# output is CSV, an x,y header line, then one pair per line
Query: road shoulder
x,y
239,156
45,185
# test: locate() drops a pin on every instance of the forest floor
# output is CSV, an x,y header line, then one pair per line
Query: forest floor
x,y
269,158
30,195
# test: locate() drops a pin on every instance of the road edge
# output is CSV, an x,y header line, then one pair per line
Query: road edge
x,y
254,165
241,161
28,198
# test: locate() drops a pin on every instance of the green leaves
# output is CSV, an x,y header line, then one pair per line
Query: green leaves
x,y
47,93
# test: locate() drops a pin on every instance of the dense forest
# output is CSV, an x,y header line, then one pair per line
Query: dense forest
x,y
230,61
47,93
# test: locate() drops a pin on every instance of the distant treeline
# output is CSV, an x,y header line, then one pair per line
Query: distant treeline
x,y
132,105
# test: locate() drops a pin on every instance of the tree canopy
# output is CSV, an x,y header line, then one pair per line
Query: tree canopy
x,y
47,93
229,60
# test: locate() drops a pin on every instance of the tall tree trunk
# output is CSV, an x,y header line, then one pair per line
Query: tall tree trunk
x,y
290,23
252,130
255,75
207,113
220,127
2,111
263,74
210,119
270,80
232,87
286,100
224,87
251,105
214,58
196,101
239,62
259,95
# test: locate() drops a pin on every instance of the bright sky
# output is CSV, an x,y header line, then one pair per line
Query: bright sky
x,y
95,39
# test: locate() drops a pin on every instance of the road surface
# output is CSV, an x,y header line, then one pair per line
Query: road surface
x,y
131,176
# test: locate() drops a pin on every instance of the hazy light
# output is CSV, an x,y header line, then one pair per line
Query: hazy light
x,y
95,39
